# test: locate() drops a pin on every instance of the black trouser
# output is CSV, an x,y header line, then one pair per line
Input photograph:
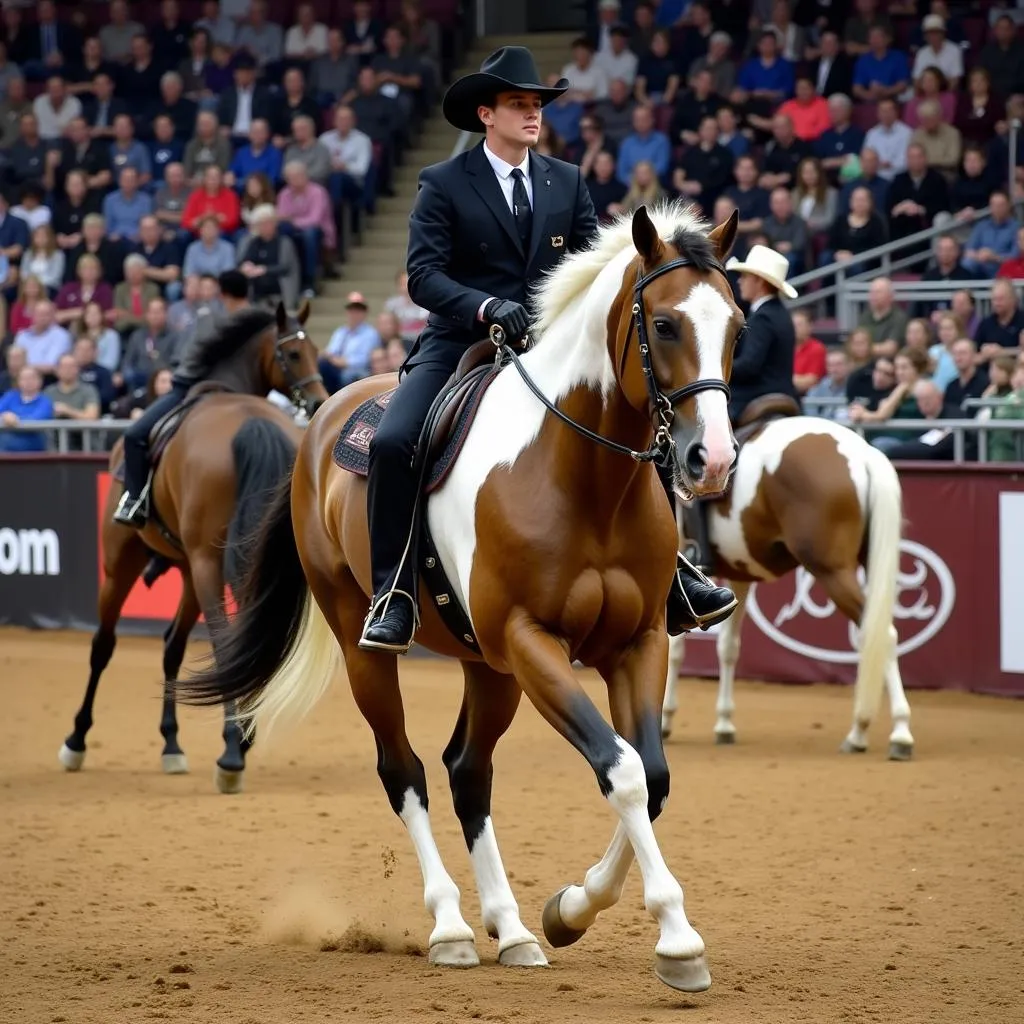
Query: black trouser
x,y
393,483
136,438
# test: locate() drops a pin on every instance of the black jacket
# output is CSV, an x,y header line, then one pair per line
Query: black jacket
x,y
464,246
264,105
764,358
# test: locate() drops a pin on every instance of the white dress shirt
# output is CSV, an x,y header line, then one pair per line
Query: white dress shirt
x,y
243,112
758,303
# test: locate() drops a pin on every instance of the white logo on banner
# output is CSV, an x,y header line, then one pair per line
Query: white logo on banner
x,y
29,552
914,603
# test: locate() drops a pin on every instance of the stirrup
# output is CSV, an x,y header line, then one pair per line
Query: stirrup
x,y
708,619
371,615
133,511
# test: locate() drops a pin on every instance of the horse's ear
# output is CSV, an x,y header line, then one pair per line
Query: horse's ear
x,y
282,317
724,235
645,237
303,314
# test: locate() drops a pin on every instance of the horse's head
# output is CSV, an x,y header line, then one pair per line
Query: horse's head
x,y
676,369
293,370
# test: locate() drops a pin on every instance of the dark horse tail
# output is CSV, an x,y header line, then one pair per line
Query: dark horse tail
x,y
278,653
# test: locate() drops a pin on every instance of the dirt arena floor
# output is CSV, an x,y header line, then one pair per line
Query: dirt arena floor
x,y
826,888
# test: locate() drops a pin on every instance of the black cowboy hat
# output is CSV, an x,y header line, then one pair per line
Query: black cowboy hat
x,y
508,69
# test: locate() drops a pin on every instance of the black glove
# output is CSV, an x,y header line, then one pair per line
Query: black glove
x,y
511,317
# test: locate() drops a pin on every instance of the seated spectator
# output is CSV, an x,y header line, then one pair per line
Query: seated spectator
x,y
127,151
831,69
809,356
208,148
718,63
294,102
411,317
814,200
883,319
90,64
1013,268
400,75
1004,445
78,151
857,231
24,404
939,52
593,141
102,345
751,200
55,108
937,443
307,38
164,148
868,178
269,260
213,197
978,109
363,32
43,260
132,405
210,253
860,384
258,156
729,134
790,35
45,341
782,155
26,159
615,112
1003,57
379,361
606,191
101,107
257,191
698,102
919,337
1001,329
562,114
941,142
351,153
132,297
948,331
347,356
881,73
971,380
150,346
71,210
170,34
304,209
706,169
900,404
587,79
381,117
12,110
308,150
831,387
169,204
176,106
889,139
423,41
931,87
32,209
764,81
88,287
182,315
946,267
217,25
72,398
644,189
163,263
30,291
14,360
219,70
807,112
125,208
14,236
994,239
974,184
263,39
619,62
387,329
916,195
116,36
785,232
842,139
244,101
657,77
333,74
193,68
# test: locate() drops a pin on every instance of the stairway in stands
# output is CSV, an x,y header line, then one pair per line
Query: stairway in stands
x,y
372,266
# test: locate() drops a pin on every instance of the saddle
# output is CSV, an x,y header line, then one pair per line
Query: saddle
x,y
763,410
441,440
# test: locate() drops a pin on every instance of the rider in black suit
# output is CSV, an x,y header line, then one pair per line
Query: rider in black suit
x,y
486,225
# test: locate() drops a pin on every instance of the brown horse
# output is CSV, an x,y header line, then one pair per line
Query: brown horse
x,y
209,490
810,493
558,544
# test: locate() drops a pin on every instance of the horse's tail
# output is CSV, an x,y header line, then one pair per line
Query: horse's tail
x,y
278,654
264,455
877,634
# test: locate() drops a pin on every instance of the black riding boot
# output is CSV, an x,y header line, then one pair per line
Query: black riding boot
x,y
694,601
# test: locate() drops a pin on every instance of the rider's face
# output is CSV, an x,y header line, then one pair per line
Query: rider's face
x,y
515,118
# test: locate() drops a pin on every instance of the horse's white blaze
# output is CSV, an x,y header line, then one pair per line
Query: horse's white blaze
x,y
710,316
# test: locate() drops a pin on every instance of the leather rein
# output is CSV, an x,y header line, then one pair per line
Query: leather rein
x,y
662,446
296,386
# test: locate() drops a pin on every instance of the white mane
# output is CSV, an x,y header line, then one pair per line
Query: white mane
x,y
579,270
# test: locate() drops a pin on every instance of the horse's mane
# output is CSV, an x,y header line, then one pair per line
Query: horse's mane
x,y
678,224
233,334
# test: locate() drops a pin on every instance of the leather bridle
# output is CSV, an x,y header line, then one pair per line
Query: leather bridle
x,y
296,385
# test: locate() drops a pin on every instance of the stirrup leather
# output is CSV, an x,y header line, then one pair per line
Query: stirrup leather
x,y
385,600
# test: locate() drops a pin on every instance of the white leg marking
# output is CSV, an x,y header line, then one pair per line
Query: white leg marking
x,y
440,893
602,885
676,651
728,645
901,741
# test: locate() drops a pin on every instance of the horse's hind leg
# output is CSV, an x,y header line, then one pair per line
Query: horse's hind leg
x,y
728,650
488,706
676,652
373,677
125,557
173,759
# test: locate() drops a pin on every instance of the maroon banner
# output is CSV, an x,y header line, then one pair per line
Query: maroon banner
x,y
959,608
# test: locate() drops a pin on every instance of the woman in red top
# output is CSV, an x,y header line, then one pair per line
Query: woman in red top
x,y
213,198
809,358
32,290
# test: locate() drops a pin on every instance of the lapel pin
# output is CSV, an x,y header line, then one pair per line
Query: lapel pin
x,y
557,241
547,182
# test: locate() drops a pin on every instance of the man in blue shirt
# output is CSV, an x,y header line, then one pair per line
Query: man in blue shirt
x,y
22,404
766,79
164,148
347,356
843,139
880,73
259,156
993,239
122,210
644,144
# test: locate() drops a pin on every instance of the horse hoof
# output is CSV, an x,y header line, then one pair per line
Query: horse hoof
x,y
690,975
228,782
174,764
556,931
526,954
849,747
454,954
901,751
725,739
72,760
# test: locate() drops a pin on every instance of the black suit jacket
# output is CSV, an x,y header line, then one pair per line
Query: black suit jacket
x,y
464,247
264,105
764,358
839,78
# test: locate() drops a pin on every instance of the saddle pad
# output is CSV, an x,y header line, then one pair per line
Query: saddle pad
x,y
352,449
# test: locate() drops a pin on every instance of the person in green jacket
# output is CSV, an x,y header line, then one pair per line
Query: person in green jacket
x,y
1007,445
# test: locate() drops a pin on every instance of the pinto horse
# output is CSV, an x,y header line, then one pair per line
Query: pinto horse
x,y
558,544
809,492
208,492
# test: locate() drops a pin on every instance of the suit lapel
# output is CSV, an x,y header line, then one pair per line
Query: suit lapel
x,y
484,180
541,180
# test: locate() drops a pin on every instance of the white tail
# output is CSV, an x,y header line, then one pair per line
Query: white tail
x,y
303,678
877,635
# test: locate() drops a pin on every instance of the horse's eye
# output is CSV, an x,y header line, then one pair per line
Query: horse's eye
x,y
664,328
294,356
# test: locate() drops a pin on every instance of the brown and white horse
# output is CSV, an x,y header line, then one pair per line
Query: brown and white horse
x,y
559,548
810,492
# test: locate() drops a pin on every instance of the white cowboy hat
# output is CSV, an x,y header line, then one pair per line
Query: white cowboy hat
x,y
769,265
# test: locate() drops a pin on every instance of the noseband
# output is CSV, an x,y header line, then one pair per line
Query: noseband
x,y
662,447
295,385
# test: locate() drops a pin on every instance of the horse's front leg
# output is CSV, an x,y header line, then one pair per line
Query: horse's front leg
x,y
634,778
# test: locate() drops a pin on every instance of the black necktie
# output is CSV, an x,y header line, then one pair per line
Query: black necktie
x,y
521,206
